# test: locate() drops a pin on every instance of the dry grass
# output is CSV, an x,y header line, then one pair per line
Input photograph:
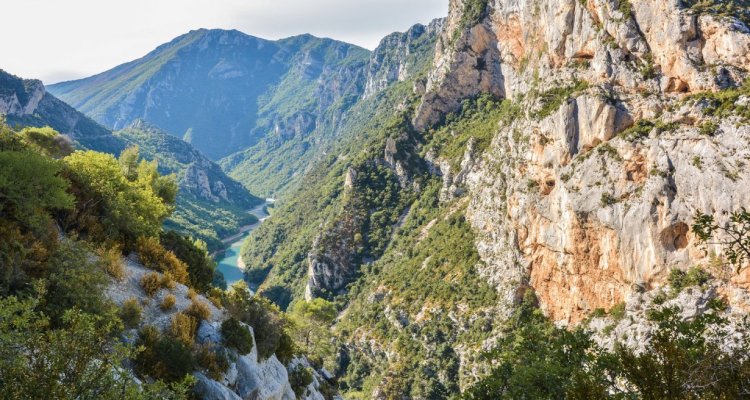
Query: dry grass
x,y
168,302
183,328
151,283
199,310
130,313
111,259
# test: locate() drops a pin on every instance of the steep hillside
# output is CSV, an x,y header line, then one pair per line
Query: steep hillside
x,y
278,252
26,103
570,143
210,205
301,114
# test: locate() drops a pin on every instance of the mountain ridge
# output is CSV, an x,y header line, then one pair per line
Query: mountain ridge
x,y
241,70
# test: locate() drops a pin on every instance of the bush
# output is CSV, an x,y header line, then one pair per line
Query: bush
x,y
111,260
299,378
200,266
237,336
130,313
163,357
262,315
112,206
214,361
167,281
183,328
695,276
199,310
151,283
617,312
168,302
154,256
708,128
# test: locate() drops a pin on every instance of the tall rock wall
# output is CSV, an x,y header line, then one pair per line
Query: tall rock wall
x,y
568,200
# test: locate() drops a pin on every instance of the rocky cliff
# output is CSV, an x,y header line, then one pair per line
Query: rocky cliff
x,y
593,190
247,376
27,103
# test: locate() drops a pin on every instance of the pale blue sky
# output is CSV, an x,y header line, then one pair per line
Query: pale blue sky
x,y
56,40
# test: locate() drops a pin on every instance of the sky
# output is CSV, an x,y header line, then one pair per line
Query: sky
x,y
57,40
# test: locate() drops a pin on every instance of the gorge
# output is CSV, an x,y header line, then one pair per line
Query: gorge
x,y
526,199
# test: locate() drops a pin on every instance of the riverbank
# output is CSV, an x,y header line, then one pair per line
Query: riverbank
x,y
230,262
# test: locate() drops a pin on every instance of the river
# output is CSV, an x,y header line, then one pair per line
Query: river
x,y
229,264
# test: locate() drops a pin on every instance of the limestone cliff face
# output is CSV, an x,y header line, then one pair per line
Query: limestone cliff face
x,y
563,201
396,58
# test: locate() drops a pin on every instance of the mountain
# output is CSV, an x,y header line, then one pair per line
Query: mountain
x,y
551,155
26,102
224,91
299,138
210,205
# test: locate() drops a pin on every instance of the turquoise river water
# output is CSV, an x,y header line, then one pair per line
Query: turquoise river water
x,y
229,263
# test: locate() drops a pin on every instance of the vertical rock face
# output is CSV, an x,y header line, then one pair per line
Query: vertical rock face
x,y
562,201
396,57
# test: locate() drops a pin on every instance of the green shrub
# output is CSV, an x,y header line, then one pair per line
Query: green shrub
x,y
74,280
552,99
111,206
265,318
708,128
237,336
200,266
163,357
617,312
130,313
695,276
299,378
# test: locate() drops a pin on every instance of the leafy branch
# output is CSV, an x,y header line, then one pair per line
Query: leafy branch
x,y
733,236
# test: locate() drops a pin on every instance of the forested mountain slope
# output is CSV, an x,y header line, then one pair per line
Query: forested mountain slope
x,y
210,204
225,92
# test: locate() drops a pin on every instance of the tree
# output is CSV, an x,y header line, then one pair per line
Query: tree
x,y
536,360
733,236
310,322
110,206
698,358
129,162
31,187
